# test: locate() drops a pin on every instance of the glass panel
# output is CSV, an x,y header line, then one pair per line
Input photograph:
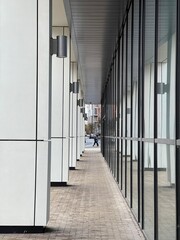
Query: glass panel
x,y
166,68
120,114
128,171
149,70
124,82
123,168
128,153
129,75
149,119
149,190
135,178
135,68
120,88
166,192
120,163
124,111
116,117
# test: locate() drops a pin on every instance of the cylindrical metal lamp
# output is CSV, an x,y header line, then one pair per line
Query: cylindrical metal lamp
x,y
83,110
80,102
75,87
61,46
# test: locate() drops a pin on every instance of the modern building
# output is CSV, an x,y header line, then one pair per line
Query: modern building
x,y
122,54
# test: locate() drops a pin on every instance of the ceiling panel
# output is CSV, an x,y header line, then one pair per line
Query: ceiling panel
x,y
94,30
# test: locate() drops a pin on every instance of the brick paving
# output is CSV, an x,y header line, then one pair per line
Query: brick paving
x,y
91,206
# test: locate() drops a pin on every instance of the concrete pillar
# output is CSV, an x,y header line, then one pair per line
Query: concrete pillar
x,y
60,114
24,115
73,119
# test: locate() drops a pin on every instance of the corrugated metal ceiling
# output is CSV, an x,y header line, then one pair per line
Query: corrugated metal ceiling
x,y
94,30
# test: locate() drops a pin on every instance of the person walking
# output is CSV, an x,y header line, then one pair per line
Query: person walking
x,y
96,141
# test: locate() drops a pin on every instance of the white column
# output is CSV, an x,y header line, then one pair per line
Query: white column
x,y
82,135
79,126
73,119
60,114
24,114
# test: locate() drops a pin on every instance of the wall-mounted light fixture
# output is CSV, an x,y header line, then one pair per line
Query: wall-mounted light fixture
x,y
83,110
161,88
80,102
59,46
74,87
85,116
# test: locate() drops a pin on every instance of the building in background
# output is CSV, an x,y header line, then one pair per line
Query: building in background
x,y
93,122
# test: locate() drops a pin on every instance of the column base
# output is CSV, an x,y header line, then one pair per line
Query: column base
x,y
22,229
58,184
72,168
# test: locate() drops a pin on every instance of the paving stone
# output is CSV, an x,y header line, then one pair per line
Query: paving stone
x,y
91,206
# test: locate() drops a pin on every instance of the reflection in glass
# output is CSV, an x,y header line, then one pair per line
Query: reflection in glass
x,y
166,68
128,161
149,70
129,74
123,169
166,192
124,81
128,153
166,118
135,69
124,111
149,190
149,119
120,115
135,178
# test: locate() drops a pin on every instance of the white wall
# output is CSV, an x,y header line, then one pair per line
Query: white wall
x,y
24,113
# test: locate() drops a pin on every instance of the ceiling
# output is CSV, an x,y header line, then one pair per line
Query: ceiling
x,y
94,28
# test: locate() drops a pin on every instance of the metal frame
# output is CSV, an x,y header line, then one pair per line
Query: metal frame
x,y
178,121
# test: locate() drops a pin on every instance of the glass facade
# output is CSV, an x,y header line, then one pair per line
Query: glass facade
x,y
141,115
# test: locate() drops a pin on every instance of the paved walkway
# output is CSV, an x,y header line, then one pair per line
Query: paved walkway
x,y
90,207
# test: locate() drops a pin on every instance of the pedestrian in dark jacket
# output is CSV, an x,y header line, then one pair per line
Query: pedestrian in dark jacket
x,y
96,141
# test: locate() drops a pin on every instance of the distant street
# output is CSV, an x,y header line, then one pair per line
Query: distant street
x,y
89,142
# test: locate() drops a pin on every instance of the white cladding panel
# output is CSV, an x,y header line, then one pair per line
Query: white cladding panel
x,y
18,66
56,160
65,160
78,132
73,116
70,129
66,87
42,184
43,70
74,152
57,91
17,183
